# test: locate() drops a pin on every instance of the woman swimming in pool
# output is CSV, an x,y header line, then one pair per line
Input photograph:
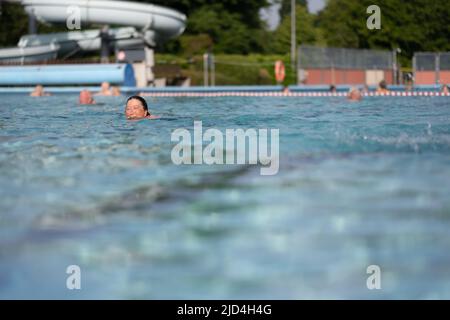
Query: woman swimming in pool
x,y
354,94
86,98
39,92
137,109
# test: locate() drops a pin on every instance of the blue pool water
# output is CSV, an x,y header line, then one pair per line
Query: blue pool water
x,y
359,184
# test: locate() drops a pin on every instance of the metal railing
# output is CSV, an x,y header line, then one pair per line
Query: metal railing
x,y
310,57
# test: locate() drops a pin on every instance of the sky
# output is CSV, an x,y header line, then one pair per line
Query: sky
x,y
271,14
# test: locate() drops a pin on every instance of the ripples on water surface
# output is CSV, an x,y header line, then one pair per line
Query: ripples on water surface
x,y
359,184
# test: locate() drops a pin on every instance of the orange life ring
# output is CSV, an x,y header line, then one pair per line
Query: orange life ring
x,y
280,72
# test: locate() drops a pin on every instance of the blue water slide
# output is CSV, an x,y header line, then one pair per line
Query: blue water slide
x,y
80,74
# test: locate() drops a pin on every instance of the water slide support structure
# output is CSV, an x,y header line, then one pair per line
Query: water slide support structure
x,y
32,23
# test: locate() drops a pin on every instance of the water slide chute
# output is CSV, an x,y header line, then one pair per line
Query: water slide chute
x,y
145,24
80,74
29,54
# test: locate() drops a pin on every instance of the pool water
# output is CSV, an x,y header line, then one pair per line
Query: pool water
x,y
359,184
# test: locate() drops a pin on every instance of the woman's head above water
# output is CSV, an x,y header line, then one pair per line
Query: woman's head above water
x,y
86,97
137,108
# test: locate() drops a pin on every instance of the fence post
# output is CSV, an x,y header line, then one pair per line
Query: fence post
x,y
205,70
213,70
437,67
414,63
105,44
32,23
394,66
299,64
333,76
345,67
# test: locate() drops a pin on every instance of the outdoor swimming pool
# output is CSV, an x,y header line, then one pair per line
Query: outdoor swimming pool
x,y
359,184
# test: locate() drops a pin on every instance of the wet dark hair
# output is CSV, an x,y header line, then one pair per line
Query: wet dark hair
x,y
383,84
142,100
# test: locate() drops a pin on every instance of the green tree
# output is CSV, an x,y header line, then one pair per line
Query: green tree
x,y
248,10
13,24
228,32
234,26
415,25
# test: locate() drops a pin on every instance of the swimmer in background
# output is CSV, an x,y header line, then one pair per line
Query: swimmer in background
x,y
333,88
39,92
115,91
354,94
445,89
137,109
409,87
105,90
366,89
86,98
382,87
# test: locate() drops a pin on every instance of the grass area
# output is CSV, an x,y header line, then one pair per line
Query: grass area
x,y
253,69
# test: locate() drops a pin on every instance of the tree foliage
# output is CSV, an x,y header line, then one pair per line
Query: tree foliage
x,y
13,24
247,11
306,32
235,26
416,25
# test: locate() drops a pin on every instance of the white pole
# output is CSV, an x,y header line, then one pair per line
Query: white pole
x,y
213,70
394,65
205,70
437,64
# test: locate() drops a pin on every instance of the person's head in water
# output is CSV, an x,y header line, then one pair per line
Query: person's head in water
x,y
39,91
86,97
115,91
136,108
445,89
333,89
354,94
382,86
105,89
